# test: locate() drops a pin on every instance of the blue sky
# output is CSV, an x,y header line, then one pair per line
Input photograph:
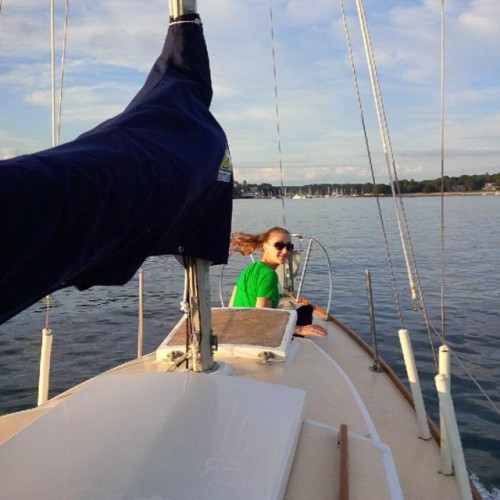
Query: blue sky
x,y
112,44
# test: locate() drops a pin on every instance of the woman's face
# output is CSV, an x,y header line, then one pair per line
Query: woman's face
x,y
276,248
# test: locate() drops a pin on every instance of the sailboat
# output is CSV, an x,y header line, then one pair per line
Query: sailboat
x,y
231,404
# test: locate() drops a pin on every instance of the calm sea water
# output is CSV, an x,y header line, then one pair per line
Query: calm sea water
x,y
96,329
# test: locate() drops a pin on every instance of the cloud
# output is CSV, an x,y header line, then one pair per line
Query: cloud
x,y
481,19
6,153
111,46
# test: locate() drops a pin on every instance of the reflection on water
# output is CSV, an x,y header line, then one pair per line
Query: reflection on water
x,y
350,230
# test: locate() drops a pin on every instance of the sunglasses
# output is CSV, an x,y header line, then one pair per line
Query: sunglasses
x,y
279,245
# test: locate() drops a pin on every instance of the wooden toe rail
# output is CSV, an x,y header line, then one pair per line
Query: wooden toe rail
x,y
343,444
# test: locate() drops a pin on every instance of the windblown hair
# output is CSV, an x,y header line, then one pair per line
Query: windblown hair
x,y
246,243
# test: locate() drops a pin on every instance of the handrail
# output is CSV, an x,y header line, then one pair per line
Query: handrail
x,y
330,291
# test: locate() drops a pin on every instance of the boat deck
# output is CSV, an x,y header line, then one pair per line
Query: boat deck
x,y
386,457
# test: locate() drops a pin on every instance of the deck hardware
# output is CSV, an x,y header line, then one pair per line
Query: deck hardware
x,y
267,356
174,355
214,340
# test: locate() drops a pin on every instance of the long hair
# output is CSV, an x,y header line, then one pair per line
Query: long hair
x,y
246,243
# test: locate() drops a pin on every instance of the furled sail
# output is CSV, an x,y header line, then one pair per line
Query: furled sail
x,y
155,179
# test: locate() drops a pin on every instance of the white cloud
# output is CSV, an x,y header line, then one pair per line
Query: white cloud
x,y
481,19
111,45
6,153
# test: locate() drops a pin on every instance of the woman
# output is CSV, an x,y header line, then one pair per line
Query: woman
x,y
257,284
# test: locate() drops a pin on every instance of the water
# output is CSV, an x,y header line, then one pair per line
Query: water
x,y
350,230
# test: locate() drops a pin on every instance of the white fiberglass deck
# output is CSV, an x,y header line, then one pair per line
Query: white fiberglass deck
x,y
158,435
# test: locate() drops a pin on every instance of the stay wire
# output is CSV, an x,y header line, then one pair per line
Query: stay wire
x,y
432,329
386,141
276,100
53,74
443,320
56,118
391,167
63,65
370,161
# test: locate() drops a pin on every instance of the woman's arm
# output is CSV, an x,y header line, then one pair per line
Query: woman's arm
x,y
231,300
263,302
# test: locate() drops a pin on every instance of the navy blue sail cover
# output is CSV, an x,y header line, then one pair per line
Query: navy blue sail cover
x,y
155,179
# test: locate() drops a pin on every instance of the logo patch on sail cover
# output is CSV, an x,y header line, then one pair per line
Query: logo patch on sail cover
x,y
225,168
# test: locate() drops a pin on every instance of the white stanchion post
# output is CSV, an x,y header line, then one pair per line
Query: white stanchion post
x,y
416,391
43,379
446,405
444,369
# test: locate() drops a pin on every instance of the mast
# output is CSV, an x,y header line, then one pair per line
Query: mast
x,y
197,270
179,7
201,339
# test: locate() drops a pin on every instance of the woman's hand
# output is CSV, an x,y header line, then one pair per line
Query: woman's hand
x,y
307,330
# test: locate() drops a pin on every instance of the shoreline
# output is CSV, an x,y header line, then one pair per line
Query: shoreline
x,y
403,195
466,193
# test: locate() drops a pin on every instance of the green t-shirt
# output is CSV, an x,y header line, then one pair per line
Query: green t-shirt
x,y
256,280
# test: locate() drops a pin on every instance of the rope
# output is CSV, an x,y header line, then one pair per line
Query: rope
x,y
494,407
56,119
363,123
390,159
391,167
194,21
63,65
53,74
443,321
275,79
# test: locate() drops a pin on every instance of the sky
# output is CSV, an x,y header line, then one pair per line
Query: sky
x,y
111,45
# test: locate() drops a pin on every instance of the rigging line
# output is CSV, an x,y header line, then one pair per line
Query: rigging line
x,y
434,331
280,161
406,241
53,119
494,407
363,124
391,165
472,378
443,321
385,137
55,122
52,75
63,60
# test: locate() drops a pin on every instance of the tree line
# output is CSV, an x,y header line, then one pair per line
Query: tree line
x,y
463,183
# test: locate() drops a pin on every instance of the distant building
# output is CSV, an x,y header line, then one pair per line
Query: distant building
x,y
490,186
